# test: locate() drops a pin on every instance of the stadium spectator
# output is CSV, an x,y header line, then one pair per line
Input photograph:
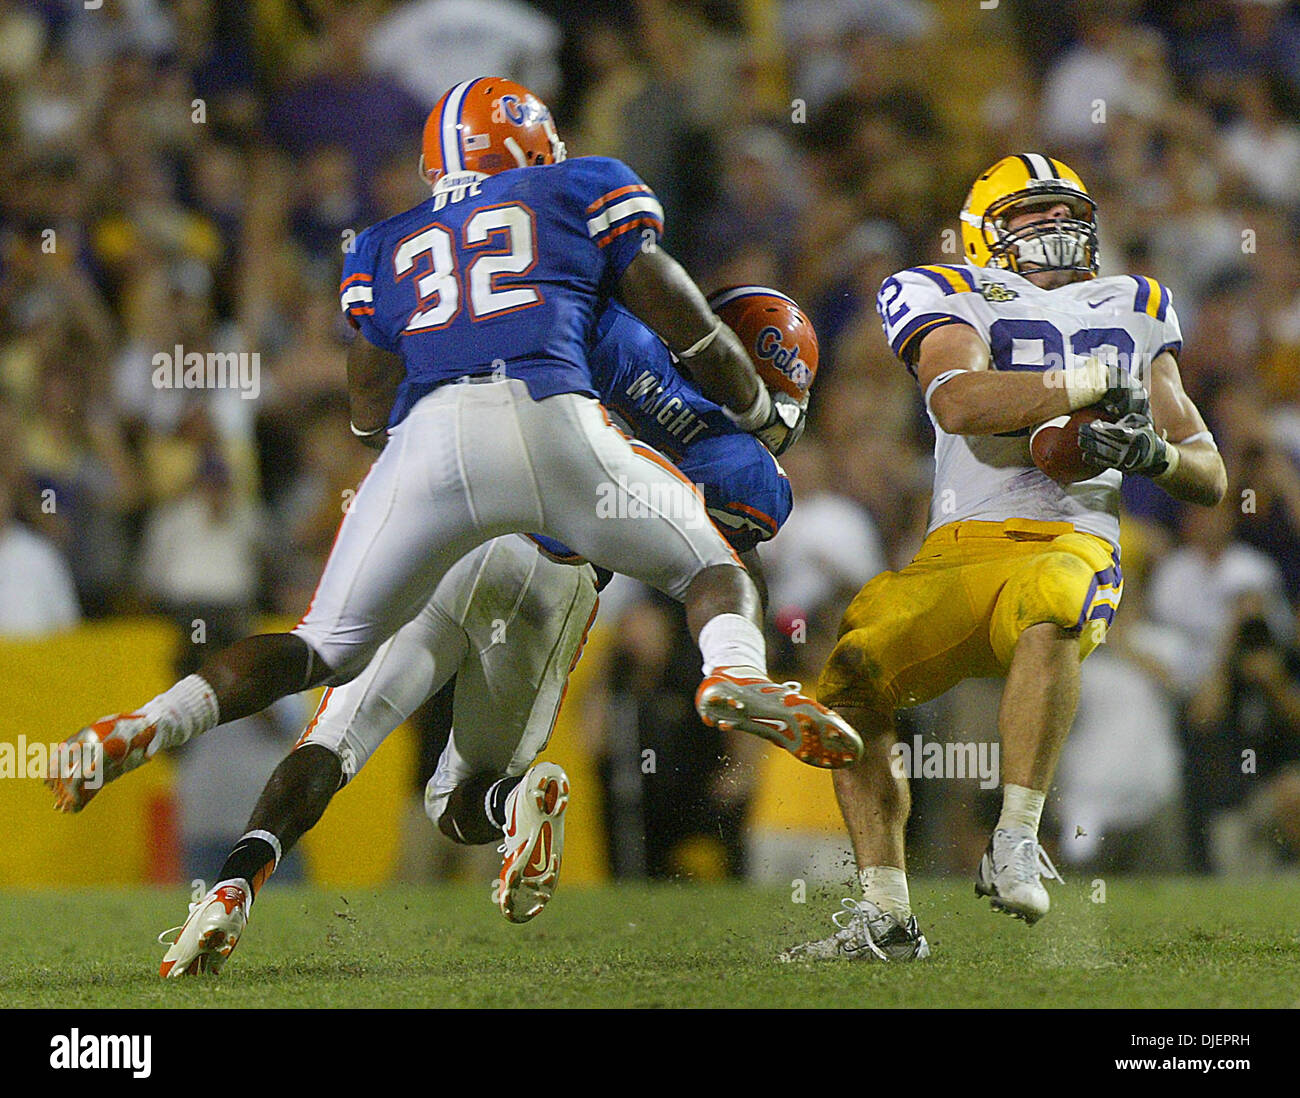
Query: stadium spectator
x,y
333,104
37,595
1120,776
1244,750
432,44
202,550
1220,570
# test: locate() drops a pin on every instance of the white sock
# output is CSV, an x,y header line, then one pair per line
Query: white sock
x,y
1021,808
886,887
188,709
733,641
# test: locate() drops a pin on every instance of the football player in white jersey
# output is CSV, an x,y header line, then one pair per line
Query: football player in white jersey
x,y
1018,576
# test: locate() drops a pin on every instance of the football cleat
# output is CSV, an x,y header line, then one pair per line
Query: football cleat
x,y
866,933
118,743
778,712
1011,872
209,935
530,863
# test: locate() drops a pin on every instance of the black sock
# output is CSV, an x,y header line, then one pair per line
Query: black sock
x,y
475,812
252,859
494,801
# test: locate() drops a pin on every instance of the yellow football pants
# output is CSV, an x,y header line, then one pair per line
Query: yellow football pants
x,y
958,609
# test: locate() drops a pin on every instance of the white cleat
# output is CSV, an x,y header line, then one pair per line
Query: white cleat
x,y
100,753
866,933
1011,872
530,863
209,935
778,712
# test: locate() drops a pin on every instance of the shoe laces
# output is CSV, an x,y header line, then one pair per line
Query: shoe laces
x,y
168,937
1031,860
855,918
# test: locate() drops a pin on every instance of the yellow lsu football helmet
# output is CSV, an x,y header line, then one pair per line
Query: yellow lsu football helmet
x,y
1018,184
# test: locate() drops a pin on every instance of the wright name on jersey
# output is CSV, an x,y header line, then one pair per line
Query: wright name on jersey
x,y
1126,320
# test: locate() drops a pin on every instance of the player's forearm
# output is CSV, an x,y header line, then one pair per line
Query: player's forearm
x,y
1199,475
374,376
989,402
660,293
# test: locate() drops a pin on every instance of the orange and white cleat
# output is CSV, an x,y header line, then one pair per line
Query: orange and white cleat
x,y
778,712
530,863
99,753
209,935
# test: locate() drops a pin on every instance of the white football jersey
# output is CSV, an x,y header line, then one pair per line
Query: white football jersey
x,y
1125,319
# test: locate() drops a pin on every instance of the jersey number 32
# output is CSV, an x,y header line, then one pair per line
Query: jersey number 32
x,y
498,240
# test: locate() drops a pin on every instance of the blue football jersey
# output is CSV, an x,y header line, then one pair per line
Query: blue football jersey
x,y
745,490
503,274
635,375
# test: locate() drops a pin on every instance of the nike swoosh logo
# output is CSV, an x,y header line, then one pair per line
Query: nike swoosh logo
x,y
540,862
1099,304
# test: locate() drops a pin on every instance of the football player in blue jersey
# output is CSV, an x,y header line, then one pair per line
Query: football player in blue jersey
x,y
509,622
478,306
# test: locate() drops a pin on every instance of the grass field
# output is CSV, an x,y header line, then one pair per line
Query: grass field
x,y
1152,943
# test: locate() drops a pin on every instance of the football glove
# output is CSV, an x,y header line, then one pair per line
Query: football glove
x,y
1125,397
1132,445
785,424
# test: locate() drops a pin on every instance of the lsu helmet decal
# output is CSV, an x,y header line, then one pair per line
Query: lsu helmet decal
x,y
488,125
776,333
1020,184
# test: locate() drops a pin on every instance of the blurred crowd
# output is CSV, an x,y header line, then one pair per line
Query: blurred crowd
x,y
186,175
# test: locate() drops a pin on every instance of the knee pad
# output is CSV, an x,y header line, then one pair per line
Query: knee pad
x,y
1054,587
855,675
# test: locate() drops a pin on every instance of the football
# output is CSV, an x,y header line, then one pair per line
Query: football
x,y
1054,446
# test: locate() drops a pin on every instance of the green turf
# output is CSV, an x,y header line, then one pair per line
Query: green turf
x,y
1152,943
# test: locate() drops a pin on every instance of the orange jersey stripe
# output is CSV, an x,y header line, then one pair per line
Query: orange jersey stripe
x,y
629,189
641,450
754,512
564,690
653,222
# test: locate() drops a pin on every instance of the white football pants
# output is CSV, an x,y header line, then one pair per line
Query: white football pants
x,y
474,461
509,624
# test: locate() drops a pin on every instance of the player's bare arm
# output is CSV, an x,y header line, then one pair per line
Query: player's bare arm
x,y
1173,446
373,378
974,400
662,295
1199,475
966,397
659,291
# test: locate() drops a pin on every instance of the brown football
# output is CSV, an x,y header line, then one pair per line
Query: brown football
x,y
1054,446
